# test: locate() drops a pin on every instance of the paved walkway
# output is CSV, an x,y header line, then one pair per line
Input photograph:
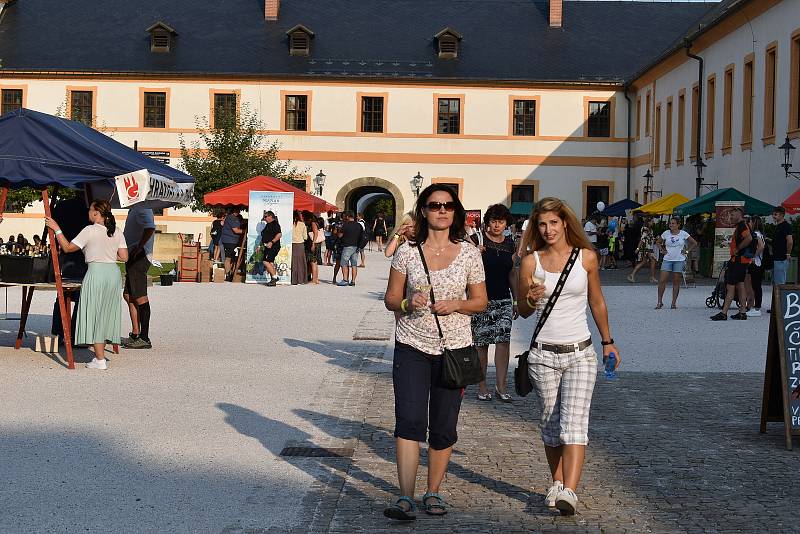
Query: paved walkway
x,y
189,437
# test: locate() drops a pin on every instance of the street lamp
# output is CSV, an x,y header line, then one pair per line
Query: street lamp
x,y
648,186
701,166
416,184
319,182
788,154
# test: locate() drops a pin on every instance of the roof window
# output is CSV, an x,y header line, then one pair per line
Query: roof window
x,y
447,42
161,37
300,40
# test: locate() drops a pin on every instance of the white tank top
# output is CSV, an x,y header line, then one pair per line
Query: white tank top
x,y
567,322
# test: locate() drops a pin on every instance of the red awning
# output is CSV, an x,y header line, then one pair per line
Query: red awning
x,y
792,204
239,195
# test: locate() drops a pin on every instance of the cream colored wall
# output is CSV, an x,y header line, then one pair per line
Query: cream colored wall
x,y
755,171
409,145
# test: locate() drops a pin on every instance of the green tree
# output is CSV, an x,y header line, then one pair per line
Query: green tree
x,y
231,152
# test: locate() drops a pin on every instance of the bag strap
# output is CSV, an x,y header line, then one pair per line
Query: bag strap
x,y
433,299
551,302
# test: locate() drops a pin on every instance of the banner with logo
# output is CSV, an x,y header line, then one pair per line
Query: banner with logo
x,y
281,204
138,186
723,232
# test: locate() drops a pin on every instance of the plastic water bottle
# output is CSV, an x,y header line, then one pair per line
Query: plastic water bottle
x,y
611,363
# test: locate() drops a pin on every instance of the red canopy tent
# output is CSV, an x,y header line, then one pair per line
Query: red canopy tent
x,y
239,194
792,204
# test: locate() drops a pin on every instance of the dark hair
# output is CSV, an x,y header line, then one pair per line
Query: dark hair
x,y
498,212
779,209
296,217
677,220
104,208
421,224
308,217
270,213
347,214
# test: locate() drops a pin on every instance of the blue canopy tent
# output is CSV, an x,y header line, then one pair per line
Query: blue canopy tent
x,y
39,150
618,209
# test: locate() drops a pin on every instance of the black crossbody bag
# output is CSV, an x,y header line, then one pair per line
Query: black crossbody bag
x,y
522,379
460,367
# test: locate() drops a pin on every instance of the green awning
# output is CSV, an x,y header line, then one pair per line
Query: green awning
x,y
521,208
705,203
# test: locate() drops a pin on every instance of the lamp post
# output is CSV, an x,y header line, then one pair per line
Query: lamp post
x,y
701,166
319,183
648,186
788,154
416,184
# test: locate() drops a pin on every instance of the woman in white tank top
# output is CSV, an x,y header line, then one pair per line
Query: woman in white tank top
x,y
562,362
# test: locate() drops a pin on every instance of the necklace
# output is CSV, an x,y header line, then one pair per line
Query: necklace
x,y
436,252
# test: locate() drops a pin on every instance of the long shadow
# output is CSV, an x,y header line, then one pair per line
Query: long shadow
x,y
329,471
340,353
333,426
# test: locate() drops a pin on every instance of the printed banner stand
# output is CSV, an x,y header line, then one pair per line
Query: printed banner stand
x,y
781,401
281,204
723,233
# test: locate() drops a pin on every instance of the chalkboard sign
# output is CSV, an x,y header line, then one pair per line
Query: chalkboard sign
x,y
781,400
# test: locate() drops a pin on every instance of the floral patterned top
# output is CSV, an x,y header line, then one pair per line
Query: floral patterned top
x,y
418,329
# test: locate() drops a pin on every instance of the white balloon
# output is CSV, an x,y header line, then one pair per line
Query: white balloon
x,y
601,206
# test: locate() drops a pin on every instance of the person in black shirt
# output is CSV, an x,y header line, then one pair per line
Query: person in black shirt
x,y
493,326
782,244
350,232
271,243
72,215
214,250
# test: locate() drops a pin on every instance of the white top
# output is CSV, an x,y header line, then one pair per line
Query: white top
x,y
590,227
97,246
418,329
567,322
140,219
759,257
675,243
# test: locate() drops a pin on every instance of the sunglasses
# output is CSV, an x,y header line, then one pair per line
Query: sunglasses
x,y
437,206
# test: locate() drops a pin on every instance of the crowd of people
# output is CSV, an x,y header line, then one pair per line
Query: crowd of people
x,y
21,245
450,289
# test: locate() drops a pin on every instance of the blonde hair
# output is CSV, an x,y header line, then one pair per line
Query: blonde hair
x,y
576,237
407,218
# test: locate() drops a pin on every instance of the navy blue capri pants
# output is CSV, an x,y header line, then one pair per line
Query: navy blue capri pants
x,y
420,399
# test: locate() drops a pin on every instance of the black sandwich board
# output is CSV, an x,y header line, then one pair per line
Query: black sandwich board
x,y
782,375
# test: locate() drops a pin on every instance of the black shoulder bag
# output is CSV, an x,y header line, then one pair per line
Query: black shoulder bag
x,y
460,367
522,380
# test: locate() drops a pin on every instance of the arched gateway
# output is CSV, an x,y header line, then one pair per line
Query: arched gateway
x,y
370,195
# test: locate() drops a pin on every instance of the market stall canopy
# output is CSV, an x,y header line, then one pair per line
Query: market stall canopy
x,y
792,204
664,205
705,203
239,195
618,209
37,149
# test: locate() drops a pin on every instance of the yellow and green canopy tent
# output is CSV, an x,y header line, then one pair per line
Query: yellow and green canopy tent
x,y
664,205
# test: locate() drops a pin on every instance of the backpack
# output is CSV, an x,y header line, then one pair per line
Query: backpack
x,y
363,239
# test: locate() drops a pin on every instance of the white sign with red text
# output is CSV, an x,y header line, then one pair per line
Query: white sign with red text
x,y
138,186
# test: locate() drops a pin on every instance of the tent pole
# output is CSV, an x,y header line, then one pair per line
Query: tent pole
x,y
62,304
52,205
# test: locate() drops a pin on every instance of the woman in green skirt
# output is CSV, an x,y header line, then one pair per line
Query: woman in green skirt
x,y
100,306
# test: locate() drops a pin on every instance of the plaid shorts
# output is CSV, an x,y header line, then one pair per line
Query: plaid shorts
x,y
564,384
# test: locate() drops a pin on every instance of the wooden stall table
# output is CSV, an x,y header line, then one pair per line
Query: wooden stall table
x,y
27,297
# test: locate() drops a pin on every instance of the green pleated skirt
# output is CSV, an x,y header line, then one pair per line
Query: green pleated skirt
x,y
100,305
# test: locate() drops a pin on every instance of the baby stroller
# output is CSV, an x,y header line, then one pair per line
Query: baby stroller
x,y
717,298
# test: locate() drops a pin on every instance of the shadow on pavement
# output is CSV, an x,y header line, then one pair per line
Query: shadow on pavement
x,y
343,354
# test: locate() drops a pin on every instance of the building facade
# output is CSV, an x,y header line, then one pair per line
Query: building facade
x,y
507,101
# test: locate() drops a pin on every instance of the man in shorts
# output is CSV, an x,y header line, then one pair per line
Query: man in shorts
x,y
140,228
271,241
350,233
230,239
737,268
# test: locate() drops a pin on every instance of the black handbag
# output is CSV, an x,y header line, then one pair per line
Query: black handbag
x,y
522,379
460,367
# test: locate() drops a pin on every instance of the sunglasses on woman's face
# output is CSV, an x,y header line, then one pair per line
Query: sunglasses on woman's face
x,y
437,206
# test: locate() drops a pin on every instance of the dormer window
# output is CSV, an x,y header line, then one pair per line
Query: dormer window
x,y
300,40
447,42
161,37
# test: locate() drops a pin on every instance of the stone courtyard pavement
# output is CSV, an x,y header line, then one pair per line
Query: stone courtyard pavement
x,y
193,436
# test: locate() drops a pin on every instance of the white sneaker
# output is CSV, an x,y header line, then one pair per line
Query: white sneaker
x,y
550,498
97,364
566,501
753,313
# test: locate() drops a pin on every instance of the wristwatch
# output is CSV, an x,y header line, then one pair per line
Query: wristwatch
x,y
609,342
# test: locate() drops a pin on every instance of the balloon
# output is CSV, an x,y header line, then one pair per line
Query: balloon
x,y
601,206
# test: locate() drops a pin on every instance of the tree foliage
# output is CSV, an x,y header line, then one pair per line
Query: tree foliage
x,y
231,152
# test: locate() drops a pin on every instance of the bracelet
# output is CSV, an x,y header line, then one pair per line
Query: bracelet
x,y
513,302
59,232
396,236
529,303
609,342
404,306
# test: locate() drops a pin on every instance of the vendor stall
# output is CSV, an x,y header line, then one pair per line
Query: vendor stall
x,y
620,208
792,204
39,150
664,205
707,203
